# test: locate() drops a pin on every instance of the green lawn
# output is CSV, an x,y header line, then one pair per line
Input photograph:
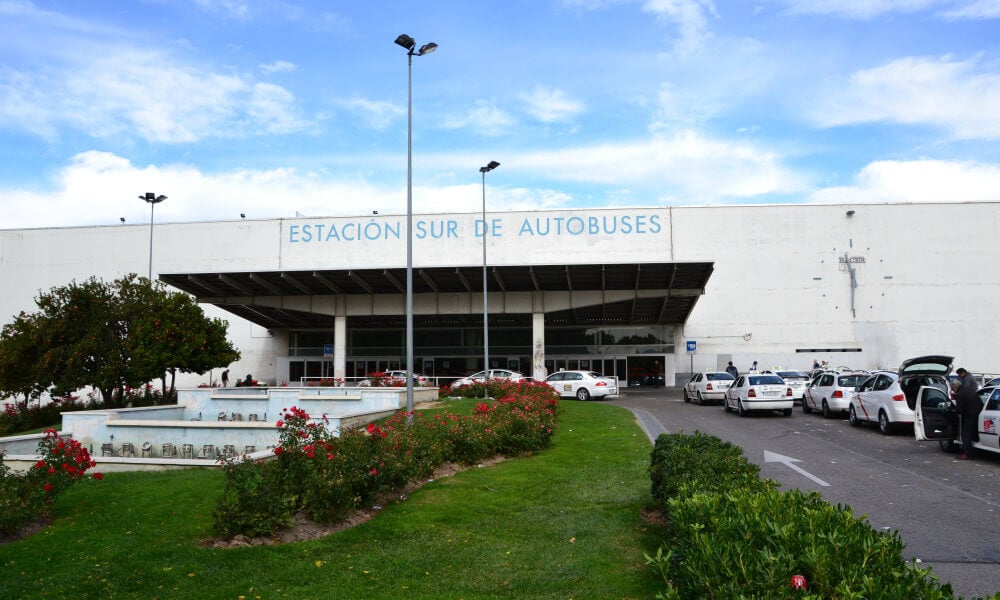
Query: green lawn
x,y
564,523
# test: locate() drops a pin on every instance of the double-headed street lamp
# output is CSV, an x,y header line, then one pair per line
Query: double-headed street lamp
x,y
407,42
153,200
486,313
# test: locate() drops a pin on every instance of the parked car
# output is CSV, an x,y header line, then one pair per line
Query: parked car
x,y
831,391
992,382
393,378
709,385
937,419
888,398
797,380
493,374
583,385
759,391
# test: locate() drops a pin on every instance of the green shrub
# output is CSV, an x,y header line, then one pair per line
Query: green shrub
x,y
683,464
747,543
326,477
28,497
21,501
253,502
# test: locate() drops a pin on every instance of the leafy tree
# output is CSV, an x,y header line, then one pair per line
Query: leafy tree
x,y
109,337
20,359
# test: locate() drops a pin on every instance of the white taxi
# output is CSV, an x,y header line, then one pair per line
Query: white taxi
x,y
708,385
583,385
937,419
759,392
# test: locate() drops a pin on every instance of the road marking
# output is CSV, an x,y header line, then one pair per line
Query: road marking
x,y
787,461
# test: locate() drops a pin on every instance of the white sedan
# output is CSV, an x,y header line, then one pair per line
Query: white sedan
x,y
938,419
583,385
754,392
493,374
710,385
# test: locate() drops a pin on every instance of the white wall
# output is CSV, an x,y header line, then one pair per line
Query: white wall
x,y
926,284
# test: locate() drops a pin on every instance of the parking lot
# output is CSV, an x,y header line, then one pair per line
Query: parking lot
x,y
944,509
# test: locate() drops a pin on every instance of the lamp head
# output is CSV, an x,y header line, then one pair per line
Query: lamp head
x,y
427,49
406,41
152,198
489,167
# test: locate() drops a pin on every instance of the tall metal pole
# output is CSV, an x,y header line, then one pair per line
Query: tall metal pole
x,y
407,42
153,200
486,311
409,232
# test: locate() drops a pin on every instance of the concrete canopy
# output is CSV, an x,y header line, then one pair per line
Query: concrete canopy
x,y
655,293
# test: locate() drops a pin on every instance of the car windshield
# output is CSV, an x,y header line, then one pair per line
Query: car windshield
x,y
765,380
851,381
793,375
595,375
719,377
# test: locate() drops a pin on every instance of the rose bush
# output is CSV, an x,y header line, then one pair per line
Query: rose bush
x,y
28,497
327,476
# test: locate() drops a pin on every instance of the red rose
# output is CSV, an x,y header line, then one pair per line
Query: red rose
x,y
47,487
98,476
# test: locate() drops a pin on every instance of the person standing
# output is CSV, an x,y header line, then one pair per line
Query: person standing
x,y
969,404
732,370
225,378
753,367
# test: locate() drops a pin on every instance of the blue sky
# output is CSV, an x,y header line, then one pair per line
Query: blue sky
x,y
274,108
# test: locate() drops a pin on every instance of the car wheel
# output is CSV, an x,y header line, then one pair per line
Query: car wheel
x,y
583,394
852,417
686,397
884,426
826,410
725,404
739,408
701,400
805,407
949,445
787,412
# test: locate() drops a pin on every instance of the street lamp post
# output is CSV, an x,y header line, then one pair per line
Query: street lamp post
x,y
409,44
153,200
486,313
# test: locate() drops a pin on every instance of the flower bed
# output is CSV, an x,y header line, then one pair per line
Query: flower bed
x,y
326,477
28,497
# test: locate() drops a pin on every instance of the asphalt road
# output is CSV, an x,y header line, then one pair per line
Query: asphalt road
x,y
945,510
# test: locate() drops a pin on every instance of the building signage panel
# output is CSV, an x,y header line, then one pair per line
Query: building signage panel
x,y
512,238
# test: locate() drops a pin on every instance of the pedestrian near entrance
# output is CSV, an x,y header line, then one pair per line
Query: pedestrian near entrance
x,y
732,370
225,378
753,367
969,405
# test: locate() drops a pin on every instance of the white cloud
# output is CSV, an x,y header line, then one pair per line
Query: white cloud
x,y
869,9
918,181
120,91
690,17
484,118
550,105
278,66
981,9
957,96
377,114
687,166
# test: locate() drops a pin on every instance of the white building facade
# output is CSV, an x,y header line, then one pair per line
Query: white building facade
x,y
647,294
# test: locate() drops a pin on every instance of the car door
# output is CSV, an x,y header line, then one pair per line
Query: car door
x,y
863,399
936,417
989,419
694,384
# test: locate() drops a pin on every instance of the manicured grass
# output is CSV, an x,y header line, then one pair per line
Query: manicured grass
x,y
563,523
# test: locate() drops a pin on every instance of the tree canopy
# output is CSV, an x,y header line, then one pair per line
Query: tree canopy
x,y
109,336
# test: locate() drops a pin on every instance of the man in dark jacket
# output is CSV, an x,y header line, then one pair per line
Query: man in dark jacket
x,y
732,370
969,404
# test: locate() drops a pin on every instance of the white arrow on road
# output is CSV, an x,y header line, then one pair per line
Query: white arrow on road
x,y
787,461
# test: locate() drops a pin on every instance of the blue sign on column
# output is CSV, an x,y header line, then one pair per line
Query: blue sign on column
x,y
327,349
692,345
